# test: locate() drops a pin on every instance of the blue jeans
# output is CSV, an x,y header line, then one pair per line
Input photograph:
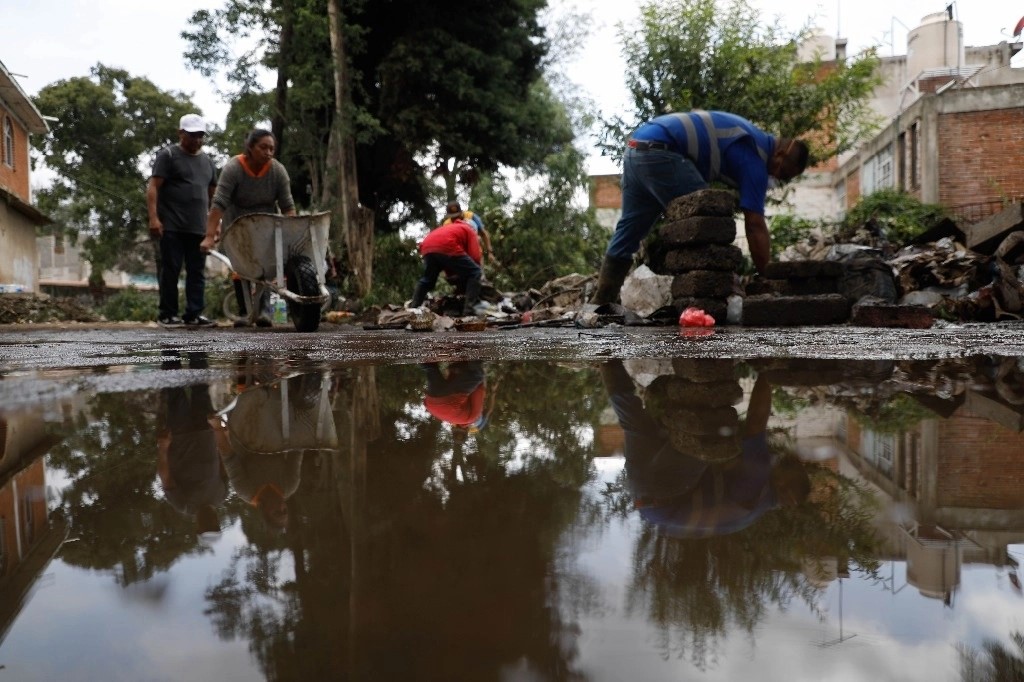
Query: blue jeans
x,y
177,249
650,180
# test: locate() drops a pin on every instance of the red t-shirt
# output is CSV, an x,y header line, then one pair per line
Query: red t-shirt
x,y
459,409
457,238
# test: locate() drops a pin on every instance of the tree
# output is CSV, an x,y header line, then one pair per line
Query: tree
x,y
108,127
697,54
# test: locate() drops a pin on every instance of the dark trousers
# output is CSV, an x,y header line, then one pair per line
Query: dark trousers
x,y
462,269
179,249
462,378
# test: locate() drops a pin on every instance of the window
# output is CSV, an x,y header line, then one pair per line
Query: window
x,y
915,142
876,173
8,142
841,197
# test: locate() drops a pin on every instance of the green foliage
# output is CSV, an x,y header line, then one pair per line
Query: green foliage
x,y
547,232
438,88
898,216
107,128
699,54
131,305
897,415
785,404
396,267
787,230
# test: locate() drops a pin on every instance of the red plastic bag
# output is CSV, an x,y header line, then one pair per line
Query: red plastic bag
x,y
695,317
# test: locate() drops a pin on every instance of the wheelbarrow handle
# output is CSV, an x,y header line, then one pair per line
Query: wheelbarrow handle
x,y
221,257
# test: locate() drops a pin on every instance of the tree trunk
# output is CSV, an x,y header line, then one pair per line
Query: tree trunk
x,y
284,58
356,221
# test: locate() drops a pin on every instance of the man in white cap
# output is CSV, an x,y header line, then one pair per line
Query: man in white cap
x,y
178,200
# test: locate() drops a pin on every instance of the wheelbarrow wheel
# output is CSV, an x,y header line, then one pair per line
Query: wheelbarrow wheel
x,y
300,274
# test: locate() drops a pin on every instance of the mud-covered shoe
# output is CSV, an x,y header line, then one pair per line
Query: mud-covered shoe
x,y
170,322
198,321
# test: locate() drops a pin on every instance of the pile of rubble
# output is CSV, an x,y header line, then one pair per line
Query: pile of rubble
x,y
40,308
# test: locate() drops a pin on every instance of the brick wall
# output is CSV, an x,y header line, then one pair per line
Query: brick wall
x,y
852,189
980,464
14,179
605,192
980,156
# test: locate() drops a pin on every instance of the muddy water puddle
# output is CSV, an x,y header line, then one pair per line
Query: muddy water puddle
x,y
639,519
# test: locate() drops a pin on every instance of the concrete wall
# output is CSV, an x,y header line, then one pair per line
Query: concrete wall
x,y
18,260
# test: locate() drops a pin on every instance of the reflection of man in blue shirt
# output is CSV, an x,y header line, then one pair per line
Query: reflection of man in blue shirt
x,y
683,494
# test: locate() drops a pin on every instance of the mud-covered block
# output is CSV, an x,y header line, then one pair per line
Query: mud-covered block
x,y
717,308
682,259
804,372
705,202
703,284
759,286
887,315
712,421
804,269
696,230
806,286
792,311
671,392
706,448
703,370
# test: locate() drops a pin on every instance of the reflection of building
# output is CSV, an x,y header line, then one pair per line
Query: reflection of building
x,y
29,539
959,478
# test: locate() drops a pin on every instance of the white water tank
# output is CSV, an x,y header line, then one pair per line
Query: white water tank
x,y
937,43
818,44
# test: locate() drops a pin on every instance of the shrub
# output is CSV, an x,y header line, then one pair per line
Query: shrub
x,y
131,305
898,216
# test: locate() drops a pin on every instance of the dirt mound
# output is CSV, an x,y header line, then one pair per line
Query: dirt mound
x,y
30,308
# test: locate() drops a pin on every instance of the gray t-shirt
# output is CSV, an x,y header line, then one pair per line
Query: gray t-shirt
x,y
183,200
239,193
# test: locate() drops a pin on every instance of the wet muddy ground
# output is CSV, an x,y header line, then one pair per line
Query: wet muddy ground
x,y
545,504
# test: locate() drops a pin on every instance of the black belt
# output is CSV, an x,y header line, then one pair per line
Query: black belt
x,y
648,145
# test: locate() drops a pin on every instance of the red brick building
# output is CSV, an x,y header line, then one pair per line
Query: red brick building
x,y
19,118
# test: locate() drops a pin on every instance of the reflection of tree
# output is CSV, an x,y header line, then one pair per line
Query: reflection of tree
x,y
115,512
722,539
694,590
995,662
456,577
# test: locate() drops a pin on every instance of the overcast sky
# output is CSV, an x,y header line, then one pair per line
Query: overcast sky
x,y
48,40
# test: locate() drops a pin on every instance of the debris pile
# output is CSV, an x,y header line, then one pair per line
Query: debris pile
x,y
40,308
973,272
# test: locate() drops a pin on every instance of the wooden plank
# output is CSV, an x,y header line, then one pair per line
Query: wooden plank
x,y
995,225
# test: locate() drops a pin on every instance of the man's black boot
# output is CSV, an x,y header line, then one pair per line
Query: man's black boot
x,y
613,274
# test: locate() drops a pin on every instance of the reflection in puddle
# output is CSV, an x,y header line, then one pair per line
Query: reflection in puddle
x,y
462,520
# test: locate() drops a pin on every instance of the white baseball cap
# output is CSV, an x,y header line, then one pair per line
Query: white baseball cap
x,y
192,123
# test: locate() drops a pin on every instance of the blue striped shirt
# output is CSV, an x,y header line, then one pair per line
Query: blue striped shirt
x,y
723,147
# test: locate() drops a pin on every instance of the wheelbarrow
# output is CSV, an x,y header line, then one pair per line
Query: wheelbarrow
x,y
288,255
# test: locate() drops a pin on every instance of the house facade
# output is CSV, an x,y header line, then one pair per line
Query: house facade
x,y
19,118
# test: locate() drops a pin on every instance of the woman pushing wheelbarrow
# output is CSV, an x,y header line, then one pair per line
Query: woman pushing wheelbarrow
x,y
263,240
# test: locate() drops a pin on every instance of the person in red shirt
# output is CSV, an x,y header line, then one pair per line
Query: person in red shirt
x,y
455,394
453,249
